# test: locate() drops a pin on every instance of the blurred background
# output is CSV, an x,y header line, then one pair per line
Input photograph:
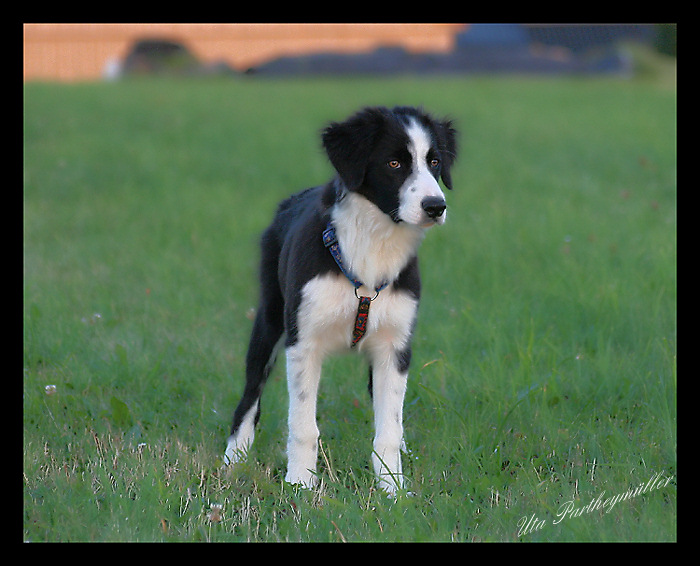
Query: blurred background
x,y
88,52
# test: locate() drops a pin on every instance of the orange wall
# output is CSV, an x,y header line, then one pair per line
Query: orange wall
x,y
81,51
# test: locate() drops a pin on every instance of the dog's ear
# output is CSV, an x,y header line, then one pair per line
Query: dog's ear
x,y
349,144
447,143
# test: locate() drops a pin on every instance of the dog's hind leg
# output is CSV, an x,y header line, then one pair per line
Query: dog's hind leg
x,y
262,352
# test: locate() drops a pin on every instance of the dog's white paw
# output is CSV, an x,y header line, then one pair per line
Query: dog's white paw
x,y
303,478
235,452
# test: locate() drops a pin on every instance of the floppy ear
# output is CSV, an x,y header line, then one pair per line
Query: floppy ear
x,y
349,144
447,143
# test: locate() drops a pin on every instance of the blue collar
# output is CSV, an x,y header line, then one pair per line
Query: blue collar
x,y
330,240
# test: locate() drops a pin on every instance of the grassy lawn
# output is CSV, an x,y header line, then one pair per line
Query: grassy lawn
x,y
544,372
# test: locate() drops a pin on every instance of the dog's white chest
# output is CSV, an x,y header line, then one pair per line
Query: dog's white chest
x,y
326,315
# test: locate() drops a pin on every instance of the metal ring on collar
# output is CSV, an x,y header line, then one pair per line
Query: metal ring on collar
x,y
376,294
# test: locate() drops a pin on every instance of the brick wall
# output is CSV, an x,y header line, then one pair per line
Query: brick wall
x,y
72,52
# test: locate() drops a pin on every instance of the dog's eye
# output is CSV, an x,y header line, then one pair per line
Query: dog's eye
x,y
394,164
434,162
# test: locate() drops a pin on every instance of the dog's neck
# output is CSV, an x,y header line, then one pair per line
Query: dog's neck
x,y
374,247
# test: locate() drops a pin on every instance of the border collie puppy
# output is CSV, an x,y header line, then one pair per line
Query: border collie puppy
x,y
330,254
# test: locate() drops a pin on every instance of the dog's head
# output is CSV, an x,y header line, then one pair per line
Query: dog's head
x,y
394,158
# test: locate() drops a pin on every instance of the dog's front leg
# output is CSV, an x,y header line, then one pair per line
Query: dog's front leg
x,y
388,391
303,376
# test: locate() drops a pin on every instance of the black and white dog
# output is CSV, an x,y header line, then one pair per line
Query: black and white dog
x,y
330,253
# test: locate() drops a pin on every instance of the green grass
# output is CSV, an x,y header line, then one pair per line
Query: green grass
x,y
544,359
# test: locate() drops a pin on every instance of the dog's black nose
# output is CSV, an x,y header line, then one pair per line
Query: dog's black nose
x,y
434,206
